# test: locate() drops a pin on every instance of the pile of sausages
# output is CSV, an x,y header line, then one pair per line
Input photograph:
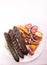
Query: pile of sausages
x,y
16,43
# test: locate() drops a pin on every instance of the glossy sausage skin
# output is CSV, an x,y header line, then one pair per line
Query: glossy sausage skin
x,y
9,42
15,44
18,36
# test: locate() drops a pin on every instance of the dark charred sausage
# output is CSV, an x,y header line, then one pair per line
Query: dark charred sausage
x,y
14,54
15,44
18,36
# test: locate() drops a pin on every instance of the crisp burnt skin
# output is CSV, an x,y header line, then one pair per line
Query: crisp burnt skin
x,y
15,44
18,36
9,42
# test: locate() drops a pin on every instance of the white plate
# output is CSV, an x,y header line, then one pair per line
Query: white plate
x,y
5,55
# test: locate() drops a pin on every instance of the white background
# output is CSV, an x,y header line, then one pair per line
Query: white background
x,y
22,11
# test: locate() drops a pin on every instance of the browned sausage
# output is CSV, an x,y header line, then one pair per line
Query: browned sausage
x,y
18,36
8,39
15,44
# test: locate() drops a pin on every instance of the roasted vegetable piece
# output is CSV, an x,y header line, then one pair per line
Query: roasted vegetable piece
x,y
9,42
15,44
33,47
38,35
18,36
35,43
27,40
31,52
23,29
28,26
34,29
32,37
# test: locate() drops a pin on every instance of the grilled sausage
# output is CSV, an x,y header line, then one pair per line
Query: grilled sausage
x,y
14,54
18,36
15,44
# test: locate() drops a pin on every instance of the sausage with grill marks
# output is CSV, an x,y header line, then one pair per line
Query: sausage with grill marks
x,y
18,36
15,44
14,54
